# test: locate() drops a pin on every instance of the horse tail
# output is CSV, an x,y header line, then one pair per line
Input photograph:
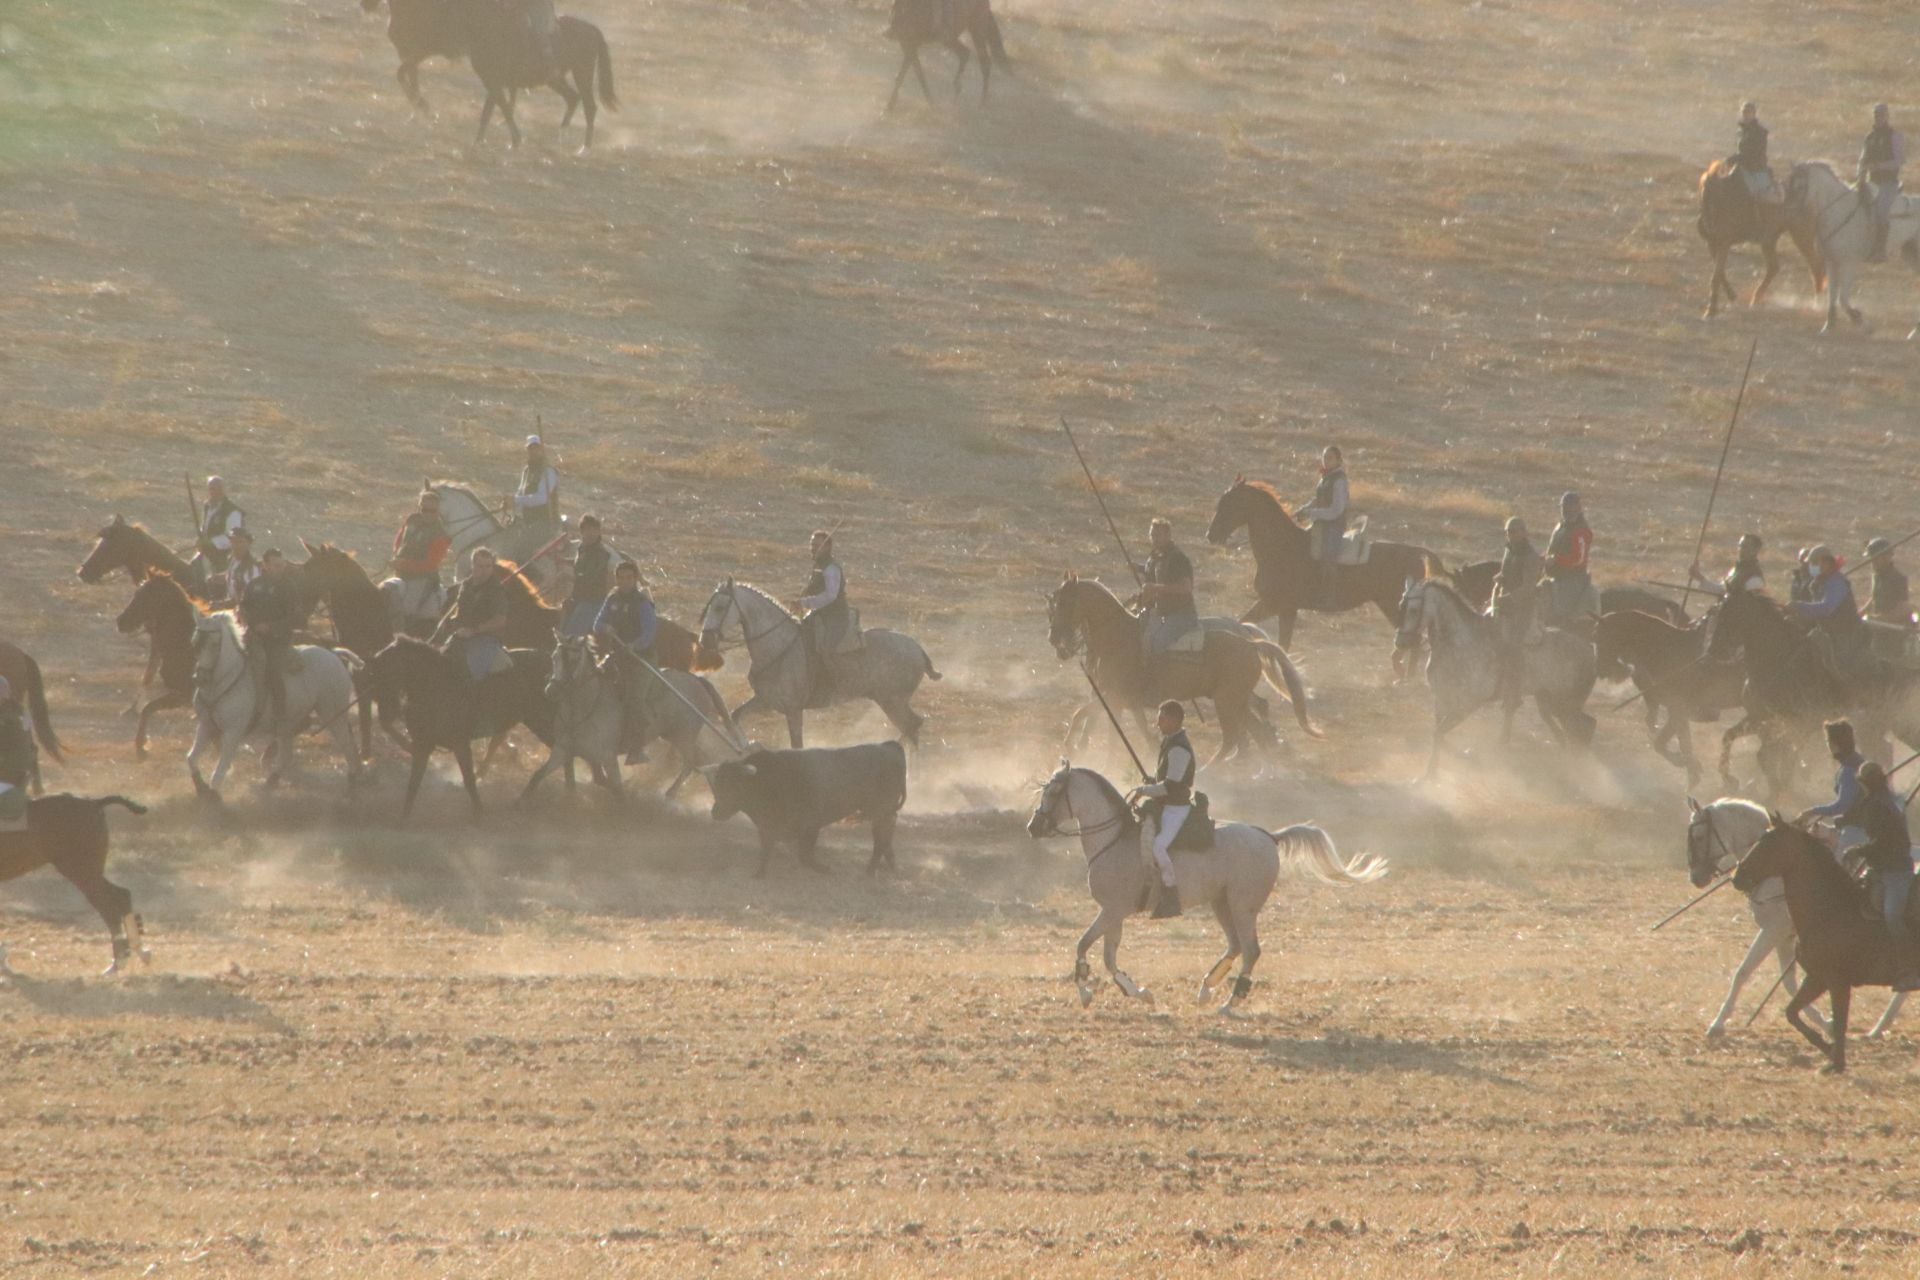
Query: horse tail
x,y
37,707
102,804
1305,847
1432,565
992,29
605,58
926,661
1274,659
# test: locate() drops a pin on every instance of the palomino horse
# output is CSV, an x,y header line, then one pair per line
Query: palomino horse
x,y
1730,216
162,608
1286,579
1464,671
230,701
1718,835
1844,223
886,670
1235,877
69,833
1227,669
1838,949
943,22
120,545
23,673
446,710
1667,665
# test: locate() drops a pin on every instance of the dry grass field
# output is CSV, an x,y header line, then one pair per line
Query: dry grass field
x,y
577,1040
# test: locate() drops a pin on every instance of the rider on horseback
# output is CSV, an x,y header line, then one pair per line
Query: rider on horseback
x,y
1515,588
1846,788
1890,600
592,567
1838,635
1169,799
479,617
537,500
1166,590
1745,575
266,614
16,761
824,625
1888,852
214,537
242,568
627,620
420,545
539,19
1750,162
1328,513
1881,155
1566,569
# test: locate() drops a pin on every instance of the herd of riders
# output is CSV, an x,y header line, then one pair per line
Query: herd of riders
x,y
1882,153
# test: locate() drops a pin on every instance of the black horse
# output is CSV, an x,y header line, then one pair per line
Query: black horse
x,y
421,29
446,711
505,56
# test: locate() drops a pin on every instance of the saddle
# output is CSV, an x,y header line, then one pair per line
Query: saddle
x,y
852,639
1190,642
1196,833
1355,545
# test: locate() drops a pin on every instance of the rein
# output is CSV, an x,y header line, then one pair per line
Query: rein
x,y
748,637
1118,820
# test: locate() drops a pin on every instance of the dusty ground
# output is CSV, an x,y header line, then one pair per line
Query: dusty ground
x,y
1457,238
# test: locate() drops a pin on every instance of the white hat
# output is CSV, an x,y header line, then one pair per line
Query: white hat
x,y
533,442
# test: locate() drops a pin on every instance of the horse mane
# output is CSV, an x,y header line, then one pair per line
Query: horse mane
x,y
1103,589
769,597
515,581
1109,790
1262,487
1716,172
1825,866
181,593
1452,593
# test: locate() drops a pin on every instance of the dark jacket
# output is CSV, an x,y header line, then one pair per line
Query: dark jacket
x,y
1180,787
1889,845
592,573
267,607
1890,601
1169,567
479,602
629,617
1753,146
16,748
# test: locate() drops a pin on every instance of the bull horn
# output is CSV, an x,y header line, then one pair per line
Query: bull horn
x,y
307,545
1693,806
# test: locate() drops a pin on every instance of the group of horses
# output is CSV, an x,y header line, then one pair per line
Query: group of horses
x,y
1828,220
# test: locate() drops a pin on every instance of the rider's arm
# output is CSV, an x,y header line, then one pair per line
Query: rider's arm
x,y
1337,505
221,539
1899,149
827,596
1177,762
1827,603
649,623
542,492
1845,796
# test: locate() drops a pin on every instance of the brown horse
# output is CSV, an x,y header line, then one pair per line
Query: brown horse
x,y
1285,578
362,625
162,608
1729,215
1841,947
129,546
23,673
504,55
1667,665
69,833
421,29
1082,612
943,22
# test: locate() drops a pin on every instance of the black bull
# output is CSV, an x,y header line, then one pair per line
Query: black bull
x,y
792,795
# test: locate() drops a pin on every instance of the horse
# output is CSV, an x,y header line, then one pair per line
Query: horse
x,y
589,717
120,545
700,738
69,833
1557,670
421,29
1234,877
1838,949
472,523
1227,669
1665,663
1730,215
502,52
1843,222
885,670
363,625
1286,579
1087,715
162,608
1718,834
229,697
19,669
943,22
445,710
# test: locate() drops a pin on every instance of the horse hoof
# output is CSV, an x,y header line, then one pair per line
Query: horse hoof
x,y
1145,997
1086,996
1205,996
1834,1069
1716,1032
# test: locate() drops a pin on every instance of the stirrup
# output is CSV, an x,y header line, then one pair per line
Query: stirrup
x,y
1166,903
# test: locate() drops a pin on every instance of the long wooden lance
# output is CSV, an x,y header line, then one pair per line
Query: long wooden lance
x,y
1699,898
1755,1015
1113,719
1699,548
1125,554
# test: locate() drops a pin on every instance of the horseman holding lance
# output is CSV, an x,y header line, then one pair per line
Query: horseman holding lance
x,y
823,627
1846,788
1750,161
266,617
214,537
1328,513
1839,637
242,568
16,761
537,500
420,547
1169,801
1881,155
592,576
1745,575
1887,849
478,619
1568,583
626,625
1515,590
1166,590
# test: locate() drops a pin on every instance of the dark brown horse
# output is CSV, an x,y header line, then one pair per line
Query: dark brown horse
x,y
1730,216
1667,665
129,546
69,833
362,625
162,608
506,58
1285,578
943,22
421,29
446,710
1227,669
23,673
1840,946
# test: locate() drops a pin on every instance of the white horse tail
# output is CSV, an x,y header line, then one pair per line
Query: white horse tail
x,y
1274,659
1308,848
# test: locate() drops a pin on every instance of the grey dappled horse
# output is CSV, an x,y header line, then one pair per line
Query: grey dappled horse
x,y
1235,877
885,670
1843,222
1464,669
225,700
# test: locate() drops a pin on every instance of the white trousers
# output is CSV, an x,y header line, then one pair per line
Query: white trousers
x,y
1172,818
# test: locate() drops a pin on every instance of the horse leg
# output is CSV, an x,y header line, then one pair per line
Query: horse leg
x,y
796,729
1763,942
1769,249
899,79
486,114
422,754
904,718
1442,726
1082,973
463,755
1784,953
113,903
165,702
920,74
1247,930
1715,280
1220,966
148,676
1810,990
1881,1027
547,766
964,54
883,825
1842,999
1134,990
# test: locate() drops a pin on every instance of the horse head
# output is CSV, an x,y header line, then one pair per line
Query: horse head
x,y
1230,512
1063,618
108,552
1045,820
1705,844
721,606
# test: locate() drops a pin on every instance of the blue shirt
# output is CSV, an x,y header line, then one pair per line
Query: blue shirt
x,y
629,616
1846,788
1830,593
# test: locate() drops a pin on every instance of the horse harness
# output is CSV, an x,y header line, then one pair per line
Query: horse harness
x,y
748,637
1704,818
1119,820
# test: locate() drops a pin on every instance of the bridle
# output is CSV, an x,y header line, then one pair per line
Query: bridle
x,y
219,634
1120,820
1703,817
747,637
1076,632
565,653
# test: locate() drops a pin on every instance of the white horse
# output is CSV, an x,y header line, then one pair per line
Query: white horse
x,y
887,668
1718,836
228,689
1234,877
1843,221
1558,670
